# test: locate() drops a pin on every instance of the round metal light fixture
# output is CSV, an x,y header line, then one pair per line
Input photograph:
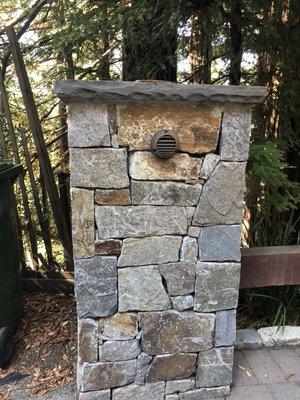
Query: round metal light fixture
x,y
164,144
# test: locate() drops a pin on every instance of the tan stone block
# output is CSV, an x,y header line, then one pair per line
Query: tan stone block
x,y
83,230
145,166
196,127
121,326
112,197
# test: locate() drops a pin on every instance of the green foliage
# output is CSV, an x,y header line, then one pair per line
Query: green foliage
x,y
271,197
272,306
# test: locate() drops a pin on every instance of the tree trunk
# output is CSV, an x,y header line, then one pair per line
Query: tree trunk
x,y
3,151
236,47
150,41
200,48
104,64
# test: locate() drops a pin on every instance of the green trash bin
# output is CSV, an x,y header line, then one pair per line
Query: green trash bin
x,y
11,301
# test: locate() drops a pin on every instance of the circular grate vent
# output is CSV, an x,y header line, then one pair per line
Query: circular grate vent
x,y
164,144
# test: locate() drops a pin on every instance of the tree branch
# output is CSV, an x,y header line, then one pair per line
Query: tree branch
x,y
30,18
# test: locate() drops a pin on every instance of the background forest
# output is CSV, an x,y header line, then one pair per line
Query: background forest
x,y
236,42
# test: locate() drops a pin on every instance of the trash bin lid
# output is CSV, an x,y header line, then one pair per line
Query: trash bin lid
x,y
5,164
9,170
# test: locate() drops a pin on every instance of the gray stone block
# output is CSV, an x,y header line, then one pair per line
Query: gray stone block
x,y
142,367
235,136
142,289
96,286
215,367
121,326
88,125
179,277
149,250
221,200
189,249
99,168
217,286
98,395
208,165
165,193
225,331
149,391
140,221
171,397
87,340
220,243
194,231
171,366
214,393
179,386
274,337
182,303
119,350
107,375
247,339
120,92
171,332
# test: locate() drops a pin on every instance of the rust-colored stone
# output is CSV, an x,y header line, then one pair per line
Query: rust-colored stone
x,y
196,127
108,247
112,197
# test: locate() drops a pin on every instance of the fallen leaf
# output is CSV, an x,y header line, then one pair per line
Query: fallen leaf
x,y
288,376
247,372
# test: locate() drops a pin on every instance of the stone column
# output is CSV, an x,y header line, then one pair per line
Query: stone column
x,y
156,242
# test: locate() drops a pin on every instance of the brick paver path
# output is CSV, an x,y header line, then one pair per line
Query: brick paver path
x,y
266,375
258,375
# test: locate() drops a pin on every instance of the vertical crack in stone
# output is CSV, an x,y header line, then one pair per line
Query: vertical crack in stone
x,y
164,283
217,151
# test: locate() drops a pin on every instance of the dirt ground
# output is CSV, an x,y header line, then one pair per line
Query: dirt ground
x,y
45,347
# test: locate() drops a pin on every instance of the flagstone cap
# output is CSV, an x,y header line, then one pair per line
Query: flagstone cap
x,y
155,92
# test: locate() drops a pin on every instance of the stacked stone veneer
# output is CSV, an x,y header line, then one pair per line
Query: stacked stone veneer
x,y
156,242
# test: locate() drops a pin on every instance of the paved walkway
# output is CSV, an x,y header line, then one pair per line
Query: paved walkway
x,y
258,375
266,375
